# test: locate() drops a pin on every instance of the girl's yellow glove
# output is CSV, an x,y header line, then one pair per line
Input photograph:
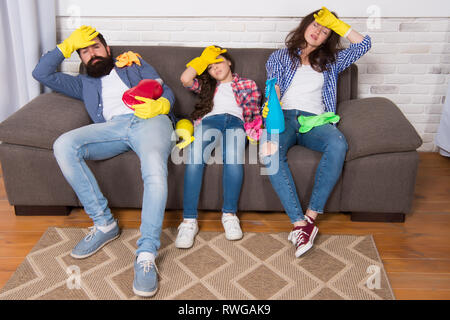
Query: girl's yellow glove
x,y
184,129
209,56
329,20
151,108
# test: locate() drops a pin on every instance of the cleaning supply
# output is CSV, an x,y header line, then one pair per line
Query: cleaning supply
x,y
309,122
126,59
147,88
81,38
208,56
329,20
184,130
275,117
253,130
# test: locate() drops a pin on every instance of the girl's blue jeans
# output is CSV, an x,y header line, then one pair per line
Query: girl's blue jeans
x,y
208,134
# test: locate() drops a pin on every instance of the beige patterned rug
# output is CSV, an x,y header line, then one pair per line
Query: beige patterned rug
x,y
259,266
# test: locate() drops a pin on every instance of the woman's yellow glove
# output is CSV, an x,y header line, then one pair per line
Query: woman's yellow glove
x,y
265,110
209,56
80,38
329,20
151,108
184,129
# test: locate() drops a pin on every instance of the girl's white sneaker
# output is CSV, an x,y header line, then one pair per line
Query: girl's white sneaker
x,y
232,228
186,234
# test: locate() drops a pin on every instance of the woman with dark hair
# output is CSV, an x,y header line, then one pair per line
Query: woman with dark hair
x,y
227,110
307,72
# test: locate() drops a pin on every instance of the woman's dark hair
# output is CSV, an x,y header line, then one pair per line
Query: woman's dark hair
x,y
320,57
207,89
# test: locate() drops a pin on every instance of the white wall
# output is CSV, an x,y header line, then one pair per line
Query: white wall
x,y
252,8
409,62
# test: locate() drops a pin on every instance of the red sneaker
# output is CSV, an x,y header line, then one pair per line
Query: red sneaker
x,y
303,237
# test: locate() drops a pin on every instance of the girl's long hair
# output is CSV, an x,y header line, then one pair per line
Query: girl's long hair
x,y
320,57
207,89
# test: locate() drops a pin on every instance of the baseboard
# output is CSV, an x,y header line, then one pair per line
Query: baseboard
x,y
377,216
42,210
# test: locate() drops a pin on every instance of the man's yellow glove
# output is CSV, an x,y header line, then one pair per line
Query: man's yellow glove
x,y
151,108
329,20
209,56
80,38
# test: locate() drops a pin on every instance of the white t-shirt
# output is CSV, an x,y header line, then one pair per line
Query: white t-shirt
x,y
112,92
305,91
225,102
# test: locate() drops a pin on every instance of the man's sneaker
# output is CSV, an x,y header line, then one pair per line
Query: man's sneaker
x,y
145,283
186,234
232,228
94,241
303,237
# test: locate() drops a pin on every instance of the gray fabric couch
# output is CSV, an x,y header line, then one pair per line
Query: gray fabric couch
x,y
377,182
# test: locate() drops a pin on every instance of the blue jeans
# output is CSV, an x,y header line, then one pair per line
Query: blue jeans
x,y
326,139
213,129
150,139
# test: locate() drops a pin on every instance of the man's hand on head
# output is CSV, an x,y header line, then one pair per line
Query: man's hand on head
x,y
81,38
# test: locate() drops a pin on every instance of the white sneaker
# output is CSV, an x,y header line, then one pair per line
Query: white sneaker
x,y
232,228
186,234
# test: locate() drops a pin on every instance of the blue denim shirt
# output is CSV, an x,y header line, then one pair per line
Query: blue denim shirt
x,y
89,89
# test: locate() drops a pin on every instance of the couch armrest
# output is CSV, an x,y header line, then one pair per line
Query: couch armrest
x,y
375,125
41,121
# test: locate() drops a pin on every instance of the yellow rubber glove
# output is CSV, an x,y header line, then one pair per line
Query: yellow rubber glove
x,y
184,129
151,108
209,56
80,38
329,20
265,110
252,141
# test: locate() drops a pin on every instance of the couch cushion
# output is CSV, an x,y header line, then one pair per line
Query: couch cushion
x,y
46,117
375,125
250,63
40,122
170,62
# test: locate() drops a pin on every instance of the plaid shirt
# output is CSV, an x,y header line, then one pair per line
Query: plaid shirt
x,y
280,66
246,93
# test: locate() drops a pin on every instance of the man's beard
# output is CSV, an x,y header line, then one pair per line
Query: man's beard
x,y
101,67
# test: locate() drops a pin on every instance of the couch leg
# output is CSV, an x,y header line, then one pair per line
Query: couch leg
x,y
378,216
42,210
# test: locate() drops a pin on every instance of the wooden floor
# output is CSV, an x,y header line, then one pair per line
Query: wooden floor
x,y
416,254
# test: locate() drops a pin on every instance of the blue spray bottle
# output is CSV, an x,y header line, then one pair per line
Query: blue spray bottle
x,y
275,117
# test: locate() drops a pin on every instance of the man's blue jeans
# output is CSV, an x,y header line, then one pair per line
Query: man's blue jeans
x,y
149,138
326,139
212,130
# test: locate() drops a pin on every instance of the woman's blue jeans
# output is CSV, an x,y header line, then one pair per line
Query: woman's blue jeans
x,y
326,139
208,134
149,138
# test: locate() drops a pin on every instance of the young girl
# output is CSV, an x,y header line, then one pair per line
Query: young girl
x,y
307,73
228,105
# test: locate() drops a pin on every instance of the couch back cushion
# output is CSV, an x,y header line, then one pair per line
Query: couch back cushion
x,y
170,62
45,118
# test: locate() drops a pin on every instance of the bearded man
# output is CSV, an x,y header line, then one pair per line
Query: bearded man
x,y
147,131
